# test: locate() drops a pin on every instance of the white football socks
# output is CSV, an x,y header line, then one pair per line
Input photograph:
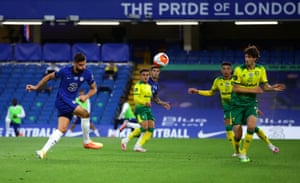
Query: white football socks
x,y
85,126
53,139
133,125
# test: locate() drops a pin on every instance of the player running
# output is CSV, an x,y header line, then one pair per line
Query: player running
x,y
153,81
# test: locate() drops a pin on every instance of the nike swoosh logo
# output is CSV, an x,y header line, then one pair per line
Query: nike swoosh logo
x,y
207,135
74,134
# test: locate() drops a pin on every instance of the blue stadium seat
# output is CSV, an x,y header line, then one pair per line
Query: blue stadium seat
x,y
57,52
5,52
91,51
116,52
25,52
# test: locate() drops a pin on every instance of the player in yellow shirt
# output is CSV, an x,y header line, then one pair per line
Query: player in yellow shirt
x,y
142,96
223,84
153,82
247,79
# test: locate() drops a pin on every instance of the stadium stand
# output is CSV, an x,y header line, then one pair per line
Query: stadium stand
x,y
27,52
91,50
57,52
116,52
5,52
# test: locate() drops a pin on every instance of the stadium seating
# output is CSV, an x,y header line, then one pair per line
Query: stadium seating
x,y
5,52
57,52
28,52
91,51
116,52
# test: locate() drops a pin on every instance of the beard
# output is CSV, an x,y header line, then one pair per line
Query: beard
x,y
77,70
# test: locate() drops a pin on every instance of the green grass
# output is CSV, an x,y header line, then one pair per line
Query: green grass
x,y
167,160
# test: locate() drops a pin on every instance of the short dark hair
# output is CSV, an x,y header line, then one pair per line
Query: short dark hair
x,y
226,63
144,70
155,67
79,57
252,51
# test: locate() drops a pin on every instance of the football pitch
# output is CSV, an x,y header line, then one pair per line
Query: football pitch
x,y
167,161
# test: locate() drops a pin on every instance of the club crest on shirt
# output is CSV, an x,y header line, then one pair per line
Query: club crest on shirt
x,y
81,79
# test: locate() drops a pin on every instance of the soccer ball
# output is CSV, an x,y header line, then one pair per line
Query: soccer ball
x,y
161,59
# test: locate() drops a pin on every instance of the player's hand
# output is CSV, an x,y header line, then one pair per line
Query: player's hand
x,y
278,87
258,90
166,105
83,98
30,88
260,113
148,104
192,91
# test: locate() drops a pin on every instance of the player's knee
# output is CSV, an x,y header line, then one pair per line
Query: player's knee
x,y
63,129
85,114
237,139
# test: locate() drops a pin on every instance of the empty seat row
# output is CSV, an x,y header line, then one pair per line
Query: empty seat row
x,y
63,52
233,56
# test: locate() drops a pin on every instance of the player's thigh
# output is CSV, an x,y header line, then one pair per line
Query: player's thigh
x,y
81,112
251,116
237,115
151,124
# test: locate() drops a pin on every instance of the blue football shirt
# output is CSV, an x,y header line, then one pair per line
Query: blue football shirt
x,y
154,86
71,82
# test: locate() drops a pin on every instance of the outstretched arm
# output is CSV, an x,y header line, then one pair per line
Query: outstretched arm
x,y
157,100
43,81
275,87
237,89
201,92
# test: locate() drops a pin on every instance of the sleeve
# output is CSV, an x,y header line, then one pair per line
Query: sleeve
x,y
59,73
90,78
206,92
124,109
214,87
22,115
210,92
264,78
236,79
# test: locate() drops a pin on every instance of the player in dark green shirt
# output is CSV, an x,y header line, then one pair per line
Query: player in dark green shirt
x,y
247,79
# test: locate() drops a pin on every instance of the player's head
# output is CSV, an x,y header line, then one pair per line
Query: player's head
x,y
123,99
144,75
251,54
79,63
226,69
14,102
154,72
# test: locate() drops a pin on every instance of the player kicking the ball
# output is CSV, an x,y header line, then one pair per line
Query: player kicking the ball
x,y
72,77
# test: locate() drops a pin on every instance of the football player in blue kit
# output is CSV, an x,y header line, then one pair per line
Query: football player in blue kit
x,y
72,77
